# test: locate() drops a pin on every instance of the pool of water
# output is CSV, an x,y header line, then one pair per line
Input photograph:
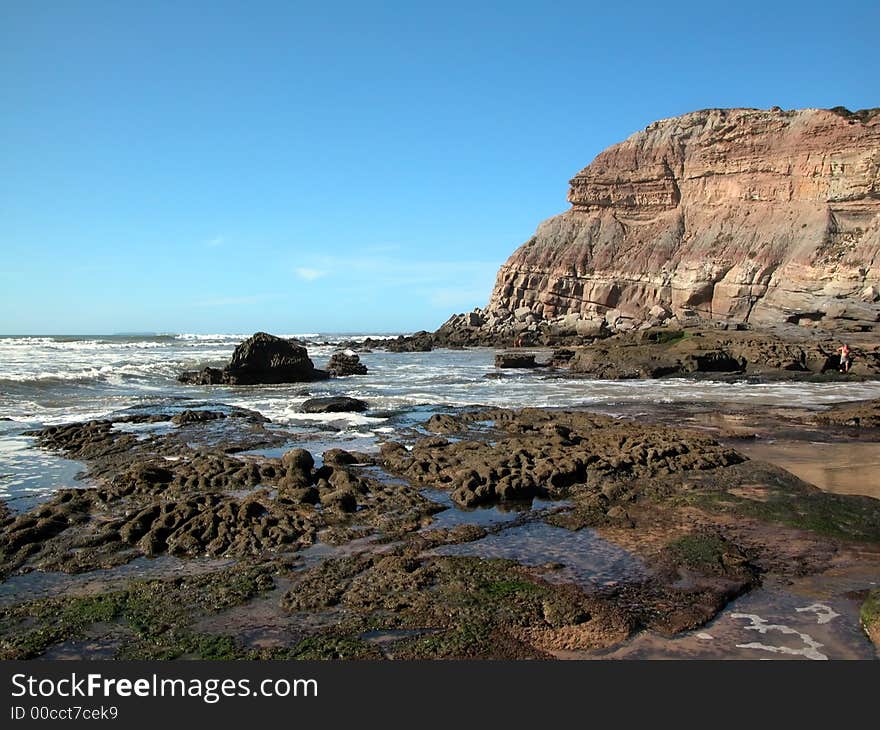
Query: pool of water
x,y
582,557
816,618
39,584
486,516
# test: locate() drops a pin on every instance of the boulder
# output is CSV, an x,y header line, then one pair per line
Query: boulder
x,y
346,363
260,359
611,317
590,327
657,314
339,457
474,319
205,376
298,460
340,499
333,404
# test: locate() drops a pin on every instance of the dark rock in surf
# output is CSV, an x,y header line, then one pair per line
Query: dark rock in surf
x,y
196,416
260,359
334,404
419,342
342,364
515,360
205,376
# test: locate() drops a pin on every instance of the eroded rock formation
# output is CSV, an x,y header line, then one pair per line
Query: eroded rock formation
x,y
743,215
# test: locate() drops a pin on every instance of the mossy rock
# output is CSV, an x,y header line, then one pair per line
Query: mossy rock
x,y
870,616
331,646
846,517
158,614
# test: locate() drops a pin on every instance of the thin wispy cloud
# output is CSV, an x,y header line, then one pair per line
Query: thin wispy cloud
x,y
214,242
453,285
308,274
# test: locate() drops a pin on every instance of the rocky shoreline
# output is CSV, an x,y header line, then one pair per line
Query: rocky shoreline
x,y
649,352
689,522
659,350
724,245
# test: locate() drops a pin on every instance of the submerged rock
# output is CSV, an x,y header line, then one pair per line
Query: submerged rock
x,y
196,416
260,359
334,404
515,360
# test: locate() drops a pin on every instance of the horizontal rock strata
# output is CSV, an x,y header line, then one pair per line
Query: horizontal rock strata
x,y
743,215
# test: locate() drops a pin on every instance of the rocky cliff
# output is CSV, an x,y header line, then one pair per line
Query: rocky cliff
x,y
742,215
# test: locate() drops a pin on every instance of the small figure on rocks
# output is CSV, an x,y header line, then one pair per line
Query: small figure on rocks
x,y
845,358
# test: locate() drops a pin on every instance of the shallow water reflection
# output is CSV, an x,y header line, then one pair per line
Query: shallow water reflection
x,y
582,557
813,619
38,584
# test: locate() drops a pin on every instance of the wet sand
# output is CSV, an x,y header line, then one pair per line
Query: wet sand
x,y
835,459
849,467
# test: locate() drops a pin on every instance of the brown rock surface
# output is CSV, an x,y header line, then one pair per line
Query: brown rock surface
x,y
543,453
860,414
661,351
746,215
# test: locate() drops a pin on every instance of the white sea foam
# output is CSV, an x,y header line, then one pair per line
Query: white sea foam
x,y
210,337
287,415
53,380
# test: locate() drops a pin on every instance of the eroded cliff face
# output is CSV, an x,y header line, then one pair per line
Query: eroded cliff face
x,y
760,216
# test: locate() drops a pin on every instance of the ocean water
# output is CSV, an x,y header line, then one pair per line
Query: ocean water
x,y
52,380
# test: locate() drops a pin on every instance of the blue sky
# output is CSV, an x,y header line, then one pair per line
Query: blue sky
x,y
304,167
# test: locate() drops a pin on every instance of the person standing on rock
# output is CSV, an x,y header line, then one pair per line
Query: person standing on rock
x,y
845,358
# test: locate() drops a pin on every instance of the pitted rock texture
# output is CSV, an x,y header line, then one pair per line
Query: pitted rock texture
x,y
543,453
744,215
172,493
